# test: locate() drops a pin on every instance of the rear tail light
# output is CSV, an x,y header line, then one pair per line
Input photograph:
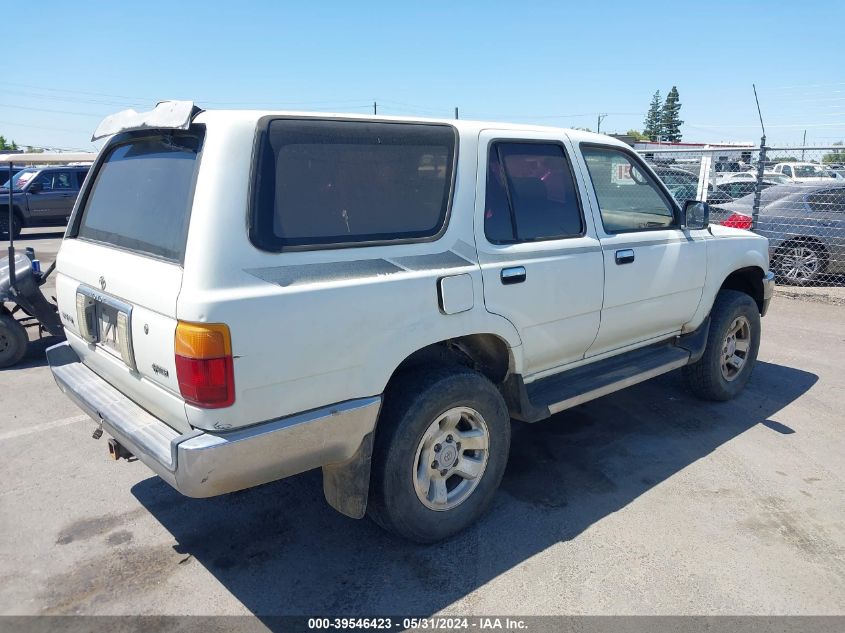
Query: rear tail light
x,y
204,366
738,221
85,317
124,339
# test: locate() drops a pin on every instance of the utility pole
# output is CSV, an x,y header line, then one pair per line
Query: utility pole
x,y
803,144
375,108
456,112
598,126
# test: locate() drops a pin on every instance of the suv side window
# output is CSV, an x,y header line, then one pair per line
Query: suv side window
x,y
80,177
530,194
343,183
827,200
628,197
56,181
787,171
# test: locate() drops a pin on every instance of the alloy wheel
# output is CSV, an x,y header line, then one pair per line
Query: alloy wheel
x,y
735,348
800,263
451,458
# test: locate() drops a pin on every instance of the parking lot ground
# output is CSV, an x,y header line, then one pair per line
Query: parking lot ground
x,y
834,295
647,501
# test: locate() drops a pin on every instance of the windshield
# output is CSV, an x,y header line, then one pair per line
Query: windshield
x,y
21,178
804,171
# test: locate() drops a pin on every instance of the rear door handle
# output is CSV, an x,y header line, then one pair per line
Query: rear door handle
x,y
514,275
625,256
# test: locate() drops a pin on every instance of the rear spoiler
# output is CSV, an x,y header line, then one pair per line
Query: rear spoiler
x,y
171,115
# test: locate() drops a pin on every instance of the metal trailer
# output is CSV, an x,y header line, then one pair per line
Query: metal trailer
x,y
20,276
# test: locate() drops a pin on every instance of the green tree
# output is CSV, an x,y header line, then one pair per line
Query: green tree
x,y
837,156
651,126
637,135
7,145
670,121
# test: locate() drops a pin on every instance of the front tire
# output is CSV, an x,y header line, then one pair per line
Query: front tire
x,y
440,452
13,341
731,352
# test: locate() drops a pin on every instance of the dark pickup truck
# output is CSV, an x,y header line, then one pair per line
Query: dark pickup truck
x,y
41,196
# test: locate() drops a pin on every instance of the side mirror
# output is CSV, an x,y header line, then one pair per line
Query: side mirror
x,y
34,187
695,215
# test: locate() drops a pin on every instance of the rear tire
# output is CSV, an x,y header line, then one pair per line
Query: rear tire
x,y
13,341
731,352
4,225
440,452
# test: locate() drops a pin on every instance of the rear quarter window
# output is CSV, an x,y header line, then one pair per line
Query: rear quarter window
x,y
141,195
345,183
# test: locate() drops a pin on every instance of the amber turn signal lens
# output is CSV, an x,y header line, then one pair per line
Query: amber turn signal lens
x,y
203,340
204,364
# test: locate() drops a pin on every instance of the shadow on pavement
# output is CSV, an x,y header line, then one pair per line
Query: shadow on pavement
x,y
281,550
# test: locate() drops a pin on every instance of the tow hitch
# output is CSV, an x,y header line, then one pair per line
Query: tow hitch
x,y
118,450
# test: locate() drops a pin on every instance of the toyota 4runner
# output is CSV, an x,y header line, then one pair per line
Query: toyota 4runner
x,y
249,295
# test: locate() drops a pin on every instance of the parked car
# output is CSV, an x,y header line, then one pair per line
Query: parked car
x,y
336,302
804,172
739,188
728,166
805,226
683,185
41,196
751,176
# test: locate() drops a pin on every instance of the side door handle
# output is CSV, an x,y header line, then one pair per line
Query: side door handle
x,y
513,275
625,256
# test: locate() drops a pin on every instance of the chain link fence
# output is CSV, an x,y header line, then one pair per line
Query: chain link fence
x,y
794,196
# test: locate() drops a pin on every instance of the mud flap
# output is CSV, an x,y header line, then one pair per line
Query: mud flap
x,y
346,485
695,342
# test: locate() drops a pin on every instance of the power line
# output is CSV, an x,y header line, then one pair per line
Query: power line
x,y
7,105
140,100
42,127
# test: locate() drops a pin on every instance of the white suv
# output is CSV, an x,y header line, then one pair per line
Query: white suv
x,y
248,295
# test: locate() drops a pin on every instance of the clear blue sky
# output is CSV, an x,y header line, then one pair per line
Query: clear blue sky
x,y
556,63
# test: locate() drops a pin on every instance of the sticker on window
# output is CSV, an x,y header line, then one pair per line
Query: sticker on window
x,y
621,174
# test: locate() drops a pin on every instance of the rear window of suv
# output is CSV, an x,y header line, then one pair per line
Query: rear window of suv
x,y
141,195
342,183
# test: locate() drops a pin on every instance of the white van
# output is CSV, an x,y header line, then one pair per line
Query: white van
x,y
248,295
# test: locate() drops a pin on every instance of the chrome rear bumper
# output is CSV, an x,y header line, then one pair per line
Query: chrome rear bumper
x,y
204,464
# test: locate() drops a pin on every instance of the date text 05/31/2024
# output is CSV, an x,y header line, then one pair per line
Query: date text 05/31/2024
x,y
433,623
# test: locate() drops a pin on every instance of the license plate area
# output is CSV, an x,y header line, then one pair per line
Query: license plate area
x,y
106,323
108,335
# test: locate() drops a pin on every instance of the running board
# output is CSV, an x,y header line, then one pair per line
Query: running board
x,y
576,386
